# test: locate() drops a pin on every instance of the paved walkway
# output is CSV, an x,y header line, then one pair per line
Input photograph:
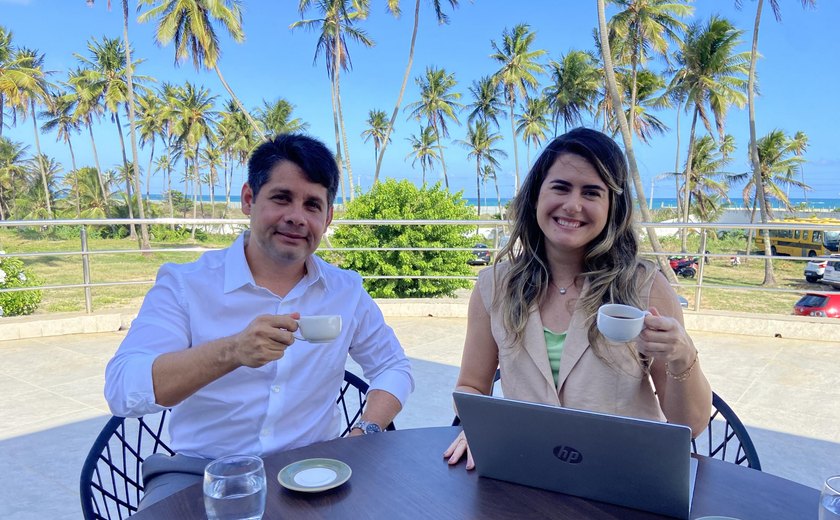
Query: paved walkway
x,y
786,392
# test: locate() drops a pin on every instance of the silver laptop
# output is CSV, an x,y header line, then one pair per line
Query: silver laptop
x,y
630,462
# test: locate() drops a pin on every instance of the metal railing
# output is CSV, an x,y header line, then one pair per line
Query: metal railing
x,y
234,226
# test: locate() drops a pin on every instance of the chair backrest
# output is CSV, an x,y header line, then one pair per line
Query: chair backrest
x,y
111,484
726,438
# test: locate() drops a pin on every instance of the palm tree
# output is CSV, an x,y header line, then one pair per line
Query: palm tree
x,y
166,163
644,27
60,118
210,160
89,193
713,77
480,141
437,104
12,158
237,139
377,122
611,85
800,140
191,25
709,183
516,75
488,171
769,276
42,174
277,118
335,26
575,83
532,123
781,162
135,160
423,149
152,124
87,96
33,92
8,72
193,120
487,103
442,18
107,74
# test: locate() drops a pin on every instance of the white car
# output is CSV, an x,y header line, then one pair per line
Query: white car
x,y
831,276
815,268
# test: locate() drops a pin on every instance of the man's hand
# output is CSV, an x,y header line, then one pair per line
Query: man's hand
x,y
264,340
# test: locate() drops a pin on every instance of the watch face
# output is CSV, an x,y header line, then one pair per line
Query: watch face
x,y
372,428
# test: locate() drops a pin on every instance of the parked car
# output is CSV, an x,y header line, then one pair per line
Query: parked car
x,y
831,275
819,305
815,269
481,255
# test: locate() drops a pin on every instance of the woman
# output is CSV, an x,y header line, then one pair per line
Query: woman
x,y
573,248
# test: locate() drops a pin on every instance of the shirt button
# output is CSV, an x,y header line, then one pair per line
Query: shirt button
x,y
264,432
275,388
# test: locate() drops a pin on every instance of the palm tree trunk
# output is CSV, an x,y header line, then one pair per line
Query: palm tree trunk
x,y
144,228
634,65
478,184
677,164
41,161
149,172
344,136
98,168
3,107
769,276
515,150
132,229
498,198
687,187
239,104
628,142
169,196
75,177
442,161
338,154
402,91
228,170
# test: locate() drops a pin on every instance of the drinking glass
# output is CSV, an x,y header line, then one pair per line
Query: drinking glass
x,y
830,499
234,488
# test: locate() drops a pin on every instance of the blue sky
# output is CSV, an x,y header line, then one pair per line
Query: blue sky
x,y
797,75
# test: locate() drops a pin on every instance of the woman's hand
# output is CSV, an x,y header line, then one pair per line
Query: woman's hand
x,y
456,450
664,338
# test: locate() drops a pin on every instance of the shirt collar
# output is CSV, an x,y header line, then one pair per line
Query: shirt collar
x,y
238,272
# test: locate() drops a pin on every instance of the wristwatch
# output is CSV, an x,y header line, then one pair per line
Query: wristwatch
x,y
367,427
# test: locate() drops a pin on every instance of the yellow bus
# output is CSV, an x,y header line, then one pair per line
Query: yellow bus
x,y
802,242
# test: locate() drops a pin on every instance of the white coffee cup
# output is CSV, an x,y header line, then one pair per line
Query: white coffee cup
x,y
619,322
319,329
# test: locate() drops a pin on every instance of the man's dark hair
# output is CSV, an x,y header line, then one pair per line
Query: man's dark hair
x,y
308,153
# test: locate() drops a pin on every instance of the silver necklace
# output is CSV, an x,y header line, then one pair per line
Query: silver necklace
x,y
561,289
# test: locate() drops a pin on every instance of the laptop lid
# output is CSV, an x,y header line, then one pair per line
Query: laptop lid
x,y
630,462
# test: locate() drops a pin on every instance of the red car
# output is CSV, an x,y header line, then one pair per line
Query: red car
x,y
823,305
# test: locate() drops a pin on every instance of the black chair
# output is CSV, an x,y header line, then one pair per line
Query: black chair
x,y
111,484
726,438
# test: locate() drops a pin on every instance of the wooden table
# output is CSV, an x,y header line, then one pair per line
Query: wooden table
x,y
402,474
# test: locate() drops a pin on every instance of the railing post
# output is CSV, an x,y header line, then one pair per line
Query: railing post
x,y
700,264
86,271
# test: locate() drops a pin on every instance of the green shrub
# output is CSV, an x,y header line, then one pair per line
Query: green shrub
x,y
392,200
12,275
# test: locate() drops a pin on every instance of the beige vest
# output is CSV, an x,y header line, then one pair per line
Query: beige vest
x,y
585,381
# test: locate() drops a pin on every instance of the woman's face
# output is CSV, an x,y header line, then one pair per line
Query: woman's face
x,y
572,206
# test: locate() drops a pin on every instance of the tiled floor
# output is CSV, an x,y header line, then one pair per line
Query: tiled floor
x,y
785,391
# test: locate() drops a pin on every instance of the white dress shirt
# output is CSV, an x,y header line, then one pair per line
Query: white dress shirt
x,y
282,405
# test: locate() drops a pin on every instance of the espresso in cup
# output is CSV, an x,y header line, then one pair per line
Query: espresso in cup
x,y
619,322
319,329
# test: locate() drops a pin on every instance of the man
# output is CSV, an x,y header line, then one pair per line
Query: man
x,y
214,338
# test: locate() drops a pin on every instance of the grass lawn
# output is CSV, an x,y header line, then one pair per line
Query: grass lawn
x,y
134,266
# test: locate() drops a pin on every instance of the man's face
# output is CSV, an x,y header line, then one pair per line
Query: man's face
x,y
288,217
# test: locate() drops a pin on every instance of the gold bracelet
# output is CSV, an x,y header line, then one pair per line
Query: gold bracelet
x,y
685,374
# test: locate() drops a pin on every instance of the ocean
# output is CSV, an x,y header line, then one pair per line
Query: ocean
x,y
818,204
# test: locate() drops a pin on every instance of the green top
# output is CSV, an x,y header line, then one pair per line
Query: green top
x,y
554,344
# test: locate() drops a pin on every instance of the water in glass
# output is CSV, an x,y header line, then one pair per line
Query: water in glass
x,y
240,499
830,507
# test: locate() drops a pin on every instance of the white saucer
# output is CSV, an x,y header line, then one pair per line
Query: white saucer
x,y
314,475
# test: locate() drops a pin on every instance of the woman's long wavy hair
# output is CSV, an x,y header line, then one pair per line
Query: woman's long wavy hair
x,y
610,262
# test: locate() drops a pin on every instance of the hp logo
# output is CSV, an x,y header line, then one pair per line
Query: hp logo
x,y
568,454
